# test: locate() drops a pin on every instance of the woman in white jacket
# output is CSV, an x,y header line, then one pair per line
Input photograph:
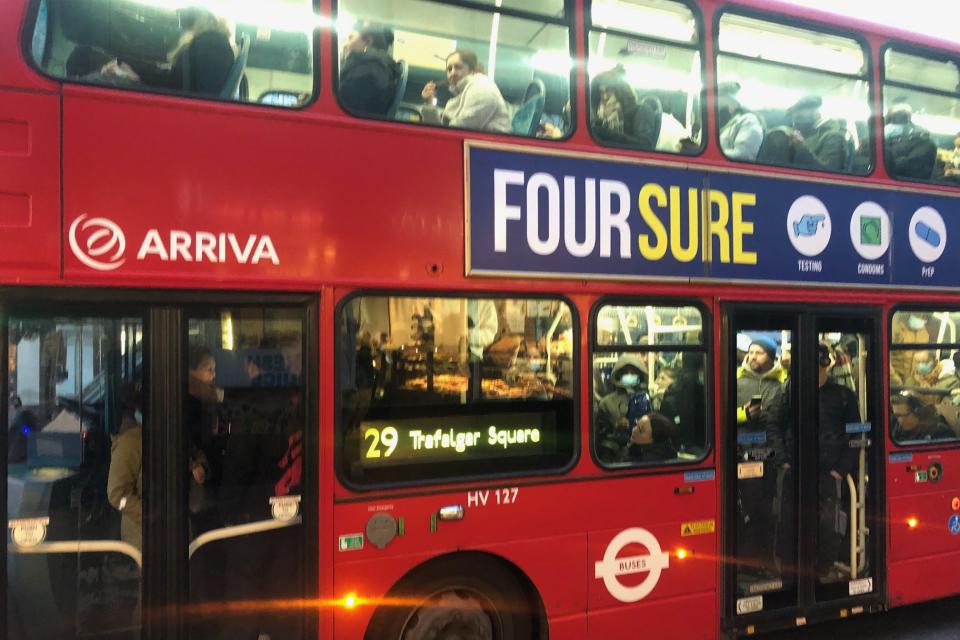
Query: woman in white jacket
x,y
476,101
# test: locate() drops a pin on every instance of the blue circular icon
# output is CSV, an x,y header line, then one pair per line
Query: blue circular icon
x,y
954,524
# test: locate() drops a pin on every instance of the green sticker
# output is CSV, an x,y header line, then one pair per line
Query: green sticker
x,y
351,542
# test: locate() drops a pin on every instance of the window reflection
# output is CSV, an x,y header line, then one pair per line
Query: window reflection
x,y
648,385
810,112
924,387
473,69
644,92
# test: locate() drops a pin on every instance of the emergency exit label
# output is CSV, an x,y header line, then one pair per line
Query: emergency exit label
x,y
351,542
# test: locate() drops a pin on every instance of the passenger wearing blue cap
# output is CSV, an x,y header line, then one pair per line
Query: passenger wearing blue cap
x,y
763,439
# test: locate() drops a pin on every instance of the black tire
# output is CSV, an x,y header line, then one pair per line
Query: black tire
x,y
456,600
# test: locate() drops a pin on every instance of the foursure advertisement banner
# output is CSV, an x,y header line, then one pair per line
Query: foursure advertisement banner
x,y
581,216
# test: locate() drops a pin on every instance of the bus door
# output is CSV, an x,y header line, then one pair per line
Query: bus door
x,y
800,473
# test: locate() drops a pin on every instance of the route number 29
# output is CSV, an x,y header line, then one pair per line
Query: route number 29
x,y
387,437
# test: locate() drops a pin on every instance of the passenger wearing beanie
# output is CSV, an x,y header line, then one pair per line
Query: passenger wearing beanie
x,y
764,435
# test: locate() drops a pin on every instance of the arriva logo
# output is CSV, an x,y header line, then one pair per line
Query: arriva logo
x,y
99,243
101,236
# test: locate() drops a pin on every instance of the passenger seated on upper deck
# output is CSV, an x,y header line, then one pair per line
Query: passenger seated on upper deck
x,y
368,74
200,63
476,102
617,116
741,131
909,150
671,133
826,140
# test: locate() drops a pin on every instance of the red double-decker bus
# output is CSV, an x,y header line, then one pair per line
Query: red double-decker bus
x,y
477,319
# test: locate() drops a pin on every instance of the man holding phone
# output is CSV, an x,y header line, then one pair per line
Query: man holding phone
x,y
764,445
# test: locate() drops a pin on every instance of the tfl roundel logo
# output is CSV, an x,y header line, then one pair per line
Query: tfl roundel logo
x,y
98,243
613,565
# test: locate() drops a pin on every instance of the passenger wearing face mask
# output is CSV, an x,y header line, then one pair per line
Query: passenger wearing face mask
x,y
928,372
909,151
476,102
741,131
620,410
825,139
907,329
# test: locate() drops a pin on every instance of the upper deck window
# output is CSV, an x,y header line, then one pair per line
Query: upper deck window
x,y
921,127
792,96
649,391
645,74
245,52
505,69
924,388
434,389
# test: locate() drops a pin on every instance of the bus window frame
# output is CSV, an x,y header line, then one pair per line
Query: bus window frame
x,y
568,21
28,25
811,25
700,46
706,348
925,52
916,445
440,481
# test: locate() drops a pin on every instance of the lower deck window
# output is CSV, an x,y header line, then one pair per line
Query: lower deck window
x,y
433,388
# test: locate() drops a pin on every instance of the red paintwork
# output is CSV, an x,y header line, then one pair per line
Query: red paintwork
x,y
329,189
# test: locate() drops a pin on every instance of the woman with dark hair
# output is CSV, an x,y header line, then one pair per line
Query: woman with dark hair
x,y
368,74
201,431
476,102
652,439
617,115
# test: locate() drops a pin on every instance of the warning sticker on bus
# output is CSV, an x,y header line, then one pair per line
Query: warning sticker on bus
x,y
698,527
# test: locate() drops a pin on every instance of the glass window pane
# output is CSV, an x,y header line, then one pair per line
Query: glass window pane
x,y
774,42
505,74
244,418
921,129
234,51
436,388
808,118
924,388
921,71
74,477
649,405
645,94
661,19
649,326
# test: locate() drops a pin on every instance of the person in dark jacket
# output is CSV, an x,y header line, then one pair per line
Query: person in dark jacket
x,y
825,139
837,407
617,115
368,74
909,151
764,445
200,63
685,403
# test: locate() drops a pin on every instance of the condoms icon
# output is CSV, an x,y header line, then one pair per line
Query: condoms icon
x,y
928,234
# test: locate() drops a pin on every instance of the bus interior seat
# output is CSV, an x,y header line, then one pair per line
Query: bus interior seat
x,y
400,89
526,120
231,88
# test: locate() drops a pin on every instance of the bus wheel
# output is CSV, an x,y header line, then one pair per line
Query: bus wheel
x,y
455,601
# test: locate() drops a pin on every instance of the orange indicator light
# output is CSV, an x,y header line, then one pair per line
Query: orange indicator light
x,y
682,554
350,601
912,522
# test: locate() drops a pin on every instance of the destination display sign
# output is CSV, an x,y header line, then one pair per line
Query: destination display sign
x,y
564,216
448,439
